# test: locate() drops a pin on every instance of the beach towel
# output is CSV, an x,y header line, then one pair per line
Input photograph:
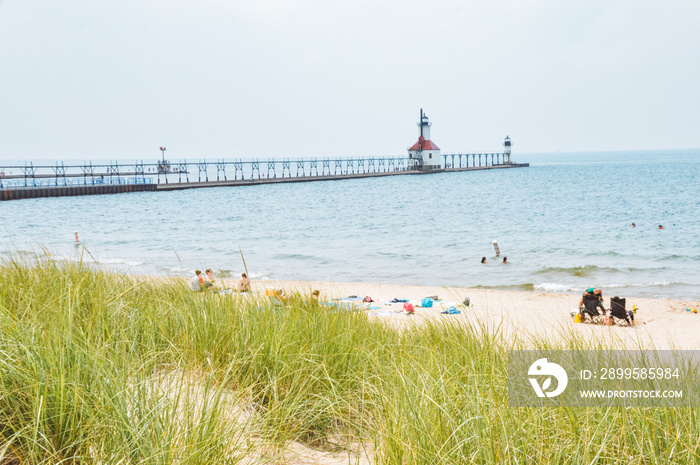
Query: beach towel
x,y
352,298
398,301
451,311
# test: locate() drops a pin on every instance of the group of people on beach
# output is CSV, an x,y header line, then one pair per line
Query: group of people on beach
x,y
206,282
591,305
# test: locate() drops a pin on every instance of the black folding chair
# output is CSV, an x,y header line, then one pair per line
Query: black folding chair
x,y
591,304
618,310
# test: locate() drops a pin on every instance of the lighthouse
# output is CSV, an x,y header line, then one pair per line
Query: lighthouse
x,y
506,152
425,151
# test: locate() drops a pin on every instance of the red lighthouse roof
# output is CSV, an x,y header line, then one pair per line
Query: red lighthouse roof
x,y
423,144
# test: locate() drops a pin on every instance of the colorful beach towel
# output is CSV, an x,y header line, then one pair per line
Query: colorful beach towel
x,y
451,311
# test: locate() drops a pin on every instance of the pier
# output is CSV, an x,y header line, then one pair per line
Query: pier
x,y
32,181
424,157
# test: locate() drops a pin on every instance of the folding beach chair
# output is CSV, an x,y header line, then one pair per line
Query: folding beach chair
x,y
619,312
591,304
276,296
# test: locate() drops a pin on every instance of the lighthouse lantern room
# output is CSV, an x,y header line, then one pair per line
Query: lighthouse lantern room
x,y
506,153
425,150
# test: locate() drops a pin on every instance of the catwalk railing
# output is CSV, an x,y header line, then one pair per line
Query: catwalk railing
x,y
29,175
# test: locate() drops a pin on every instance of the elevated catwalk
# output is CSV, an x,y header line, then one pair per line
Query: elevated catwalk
x,y
32,181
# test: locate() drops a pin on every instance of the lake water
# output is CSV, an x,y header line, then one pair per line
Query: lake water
x,y
564,223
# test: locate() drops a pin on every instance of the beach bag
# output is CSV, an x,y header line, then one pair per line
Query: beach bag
x,y
426,302
408,307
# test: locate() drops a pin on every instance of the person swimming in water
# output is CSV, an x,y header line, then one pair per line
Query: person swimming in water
x,y
483,260
505,259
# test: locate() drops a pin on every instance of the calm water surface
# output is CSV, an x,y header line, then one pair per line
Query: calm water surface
x,y
564,223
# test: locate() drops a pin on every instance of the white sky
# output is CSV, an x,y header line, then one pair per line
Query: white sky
x,y
115,79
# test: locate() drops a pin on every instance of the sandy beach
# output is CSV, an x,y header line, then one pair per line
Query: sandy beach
x,y
659,323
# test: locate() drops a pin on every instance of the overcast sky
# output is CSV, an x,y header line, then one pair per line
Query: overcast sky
x,y
116,79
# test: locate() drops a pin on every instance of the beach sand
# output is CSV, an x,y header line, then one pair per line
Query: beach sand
x,y
659,323
518,315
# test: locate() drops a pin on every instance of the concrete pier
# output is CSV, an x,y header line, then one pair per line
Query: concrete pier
x,y
64,191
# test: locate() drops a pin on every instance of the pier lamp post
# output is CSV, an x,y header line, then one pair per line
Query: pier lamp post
x,y
162,167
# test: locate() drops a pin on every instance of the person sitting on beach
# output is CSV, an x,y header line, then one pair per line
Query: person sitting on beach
x,y
314,301
244,283
197,283
209,280
483,260
596,292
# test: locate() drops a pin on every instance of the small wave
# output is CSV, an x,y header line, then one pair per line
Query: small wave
x,y
609,253
589,270
580,271
556,287
178,269
510,287
294,256
118,261
641,285
674,257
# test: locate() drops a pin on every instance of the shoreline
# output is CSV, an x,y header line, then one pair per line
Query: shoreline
x,y
528,315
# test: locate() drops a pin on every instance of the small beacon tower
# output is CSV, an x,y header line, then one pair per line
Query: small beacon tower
x,y
425,151
506,153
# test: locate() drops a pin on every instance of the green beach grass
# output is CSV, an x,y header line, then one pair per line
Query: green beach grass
x,y
105,368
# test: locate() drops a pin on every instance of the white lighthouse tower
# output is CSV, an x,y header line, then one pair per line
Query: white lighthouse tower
x,y
425,151
506,153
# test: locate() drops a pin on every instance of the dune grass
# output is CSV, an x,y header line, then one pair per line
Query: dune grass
x,y
102,368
